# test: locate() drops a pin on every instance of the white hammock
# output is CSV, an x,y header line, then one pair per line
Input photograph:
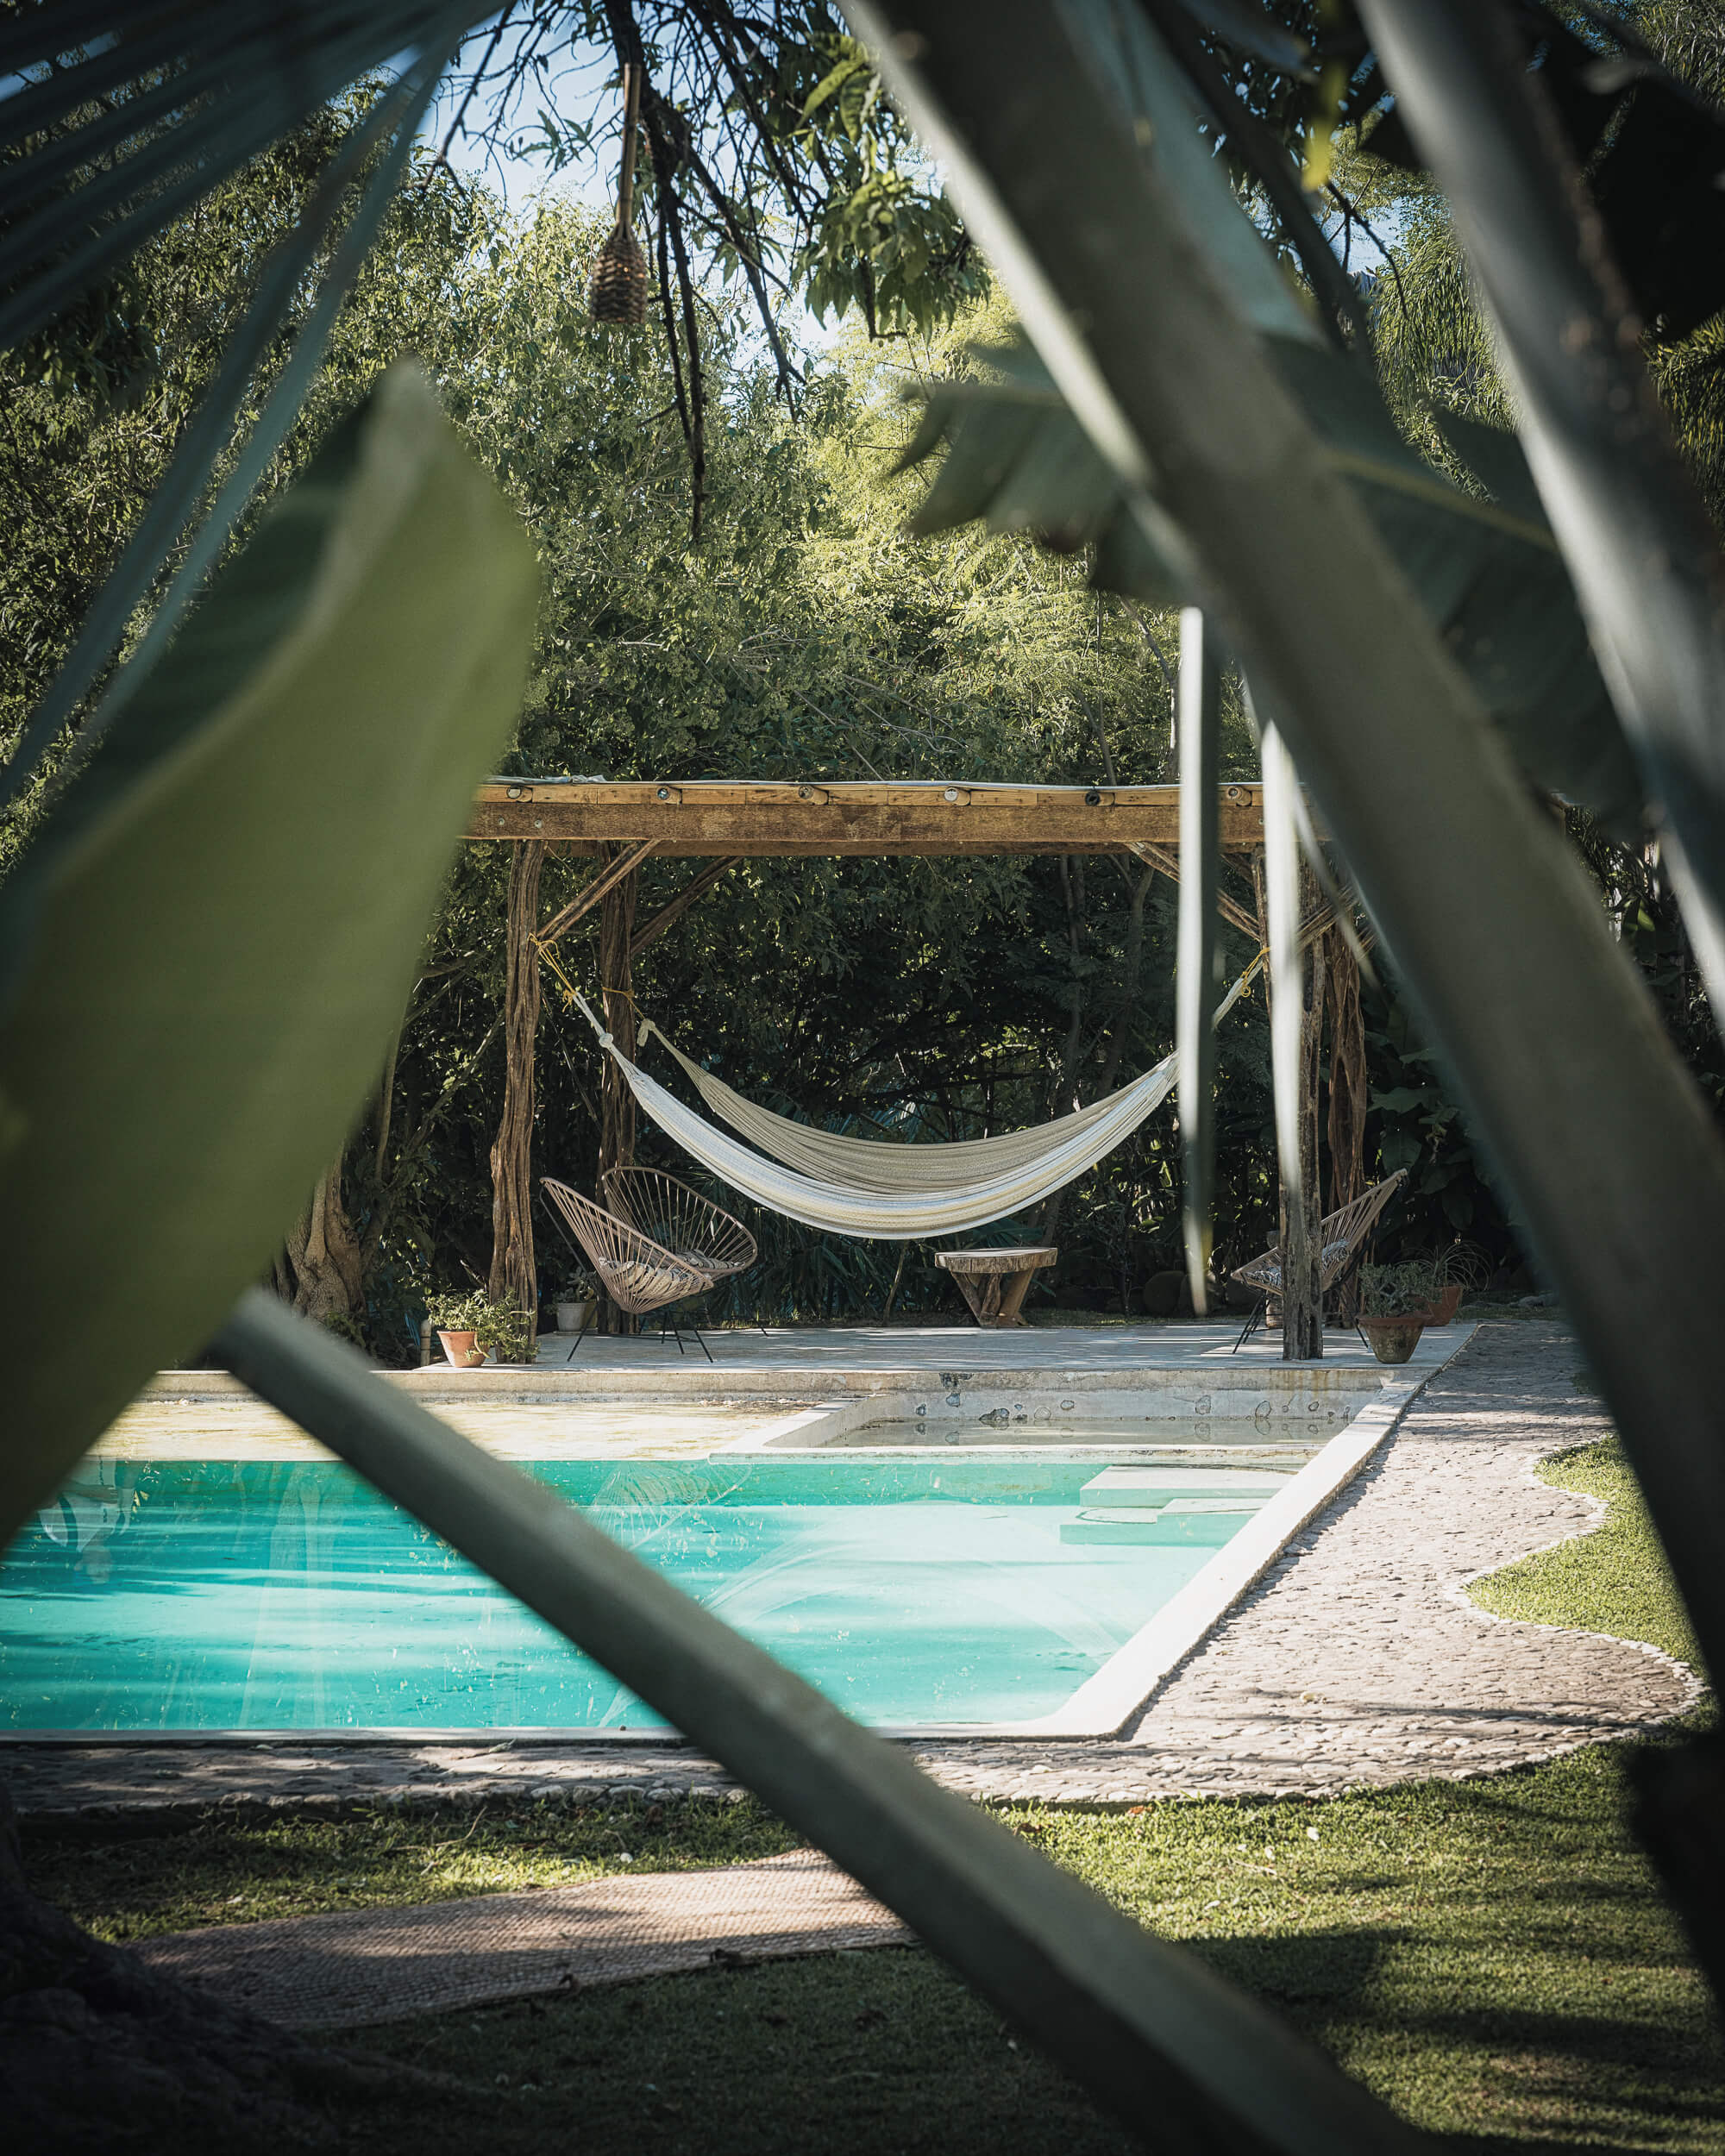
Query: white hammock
x,y
873,1188
883,1165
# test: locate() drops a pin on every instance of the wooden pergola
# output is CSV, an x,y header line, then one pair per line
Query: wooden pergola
x,y
622,824
767,816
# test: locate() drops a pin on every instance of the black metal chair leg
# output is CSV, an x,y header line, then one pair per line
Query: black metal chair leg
x,y
702,1344
580,1337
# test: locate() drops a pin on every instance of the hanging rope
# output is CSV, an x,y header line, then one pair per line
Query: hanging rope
x,y
617,291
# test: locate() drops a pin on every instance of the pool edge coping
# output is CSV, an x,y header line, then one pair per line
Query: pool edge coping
x,y
1116,1693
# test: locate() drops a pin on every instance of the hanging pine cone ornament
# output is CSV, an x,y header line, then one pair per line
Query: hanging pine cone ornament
x,y
618,290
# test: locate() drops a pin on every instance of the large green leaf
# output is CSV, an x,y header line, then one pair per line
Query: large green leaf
x,y
1633,526
1195,987
1483,565
182,487
215,931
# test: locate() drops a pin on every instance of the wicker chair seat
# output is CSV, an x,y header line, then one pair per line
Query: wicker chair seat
x,y
680,1220
640,1275
644,1285
1341,1238
1266,1272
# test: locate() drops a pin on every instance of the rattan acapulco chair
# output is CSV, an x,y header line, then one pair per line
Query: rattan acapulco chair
x,y
678,1217
639,1273
1341,1238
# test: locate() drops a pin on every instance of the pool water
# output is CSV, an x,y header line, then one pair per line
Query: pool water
x,y
190,1595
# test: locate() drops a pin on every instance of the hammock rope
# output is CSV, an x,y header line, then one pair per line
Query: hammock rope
x,y
877,1187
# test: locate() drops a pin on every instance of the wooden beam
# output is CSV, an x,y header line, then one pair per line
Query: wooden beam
x,y
1159,857
590,894
679,905
749,817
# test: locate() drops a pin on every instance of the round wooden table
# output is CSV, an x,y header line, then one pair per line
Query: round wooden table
x,y
993,1282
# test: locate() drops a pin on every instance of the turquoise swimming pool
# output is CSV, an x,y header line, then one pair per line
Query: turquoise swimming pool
x,y
288,1594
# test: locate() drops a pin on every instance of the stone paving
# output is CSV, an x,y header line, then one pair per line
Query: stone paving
x,y
829,1362
1356,1661
383,1964
241,1428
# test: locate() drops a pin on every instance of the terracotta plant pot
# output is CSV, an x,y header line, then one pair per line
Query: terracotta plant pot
x,y
463,1350
1443,1310
1393,1340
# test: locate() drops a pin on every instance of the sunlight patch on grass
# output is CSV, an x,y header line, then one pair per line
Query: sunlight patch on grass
x,y
229,1871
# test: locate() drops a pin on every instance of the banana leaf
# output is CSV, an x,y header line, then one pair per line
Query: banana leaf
x,y
1632,521
1199,748
215,931
1483,564
247,73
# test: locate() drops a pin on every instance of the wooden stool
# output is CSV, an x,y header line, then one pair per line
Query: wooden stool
x,y
993,1282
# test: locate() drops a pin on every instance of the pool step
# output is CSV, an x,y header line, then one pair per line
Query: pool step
x,y
1167,1527
1158,1486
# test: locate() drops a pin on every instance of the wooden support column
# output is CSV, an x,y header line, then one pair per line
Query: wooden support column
x,y
1302,1305
617,1103
512,1270
650,931
1350,1098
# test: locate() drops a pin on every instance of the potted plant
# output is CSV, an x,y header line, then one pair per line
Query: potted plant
x,y
574,1302
1396,1307
455,1320
472,1327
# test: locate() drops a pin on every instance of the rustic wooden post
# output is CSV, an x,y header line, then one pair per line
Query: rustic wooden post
x,y
1272,1304
1349,1096
1302,1306
617,1103
513,1270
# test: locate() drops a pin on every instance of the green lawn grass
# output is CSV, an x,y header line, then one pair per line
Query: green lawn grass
x,y
1491,1956
228,1870
1613,1580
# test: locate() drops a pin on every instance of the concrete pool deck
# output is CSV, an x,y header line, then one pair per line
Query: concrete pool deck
x,y
797,1364
793,1389
1356,1660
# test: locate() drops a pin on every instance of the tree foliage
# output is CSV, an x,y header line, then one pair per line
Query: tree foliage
x,y
803,636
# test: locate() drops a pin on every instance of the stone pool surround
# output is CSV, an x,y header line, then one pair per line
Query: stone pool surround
x,y
1355,1660
1292,1403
